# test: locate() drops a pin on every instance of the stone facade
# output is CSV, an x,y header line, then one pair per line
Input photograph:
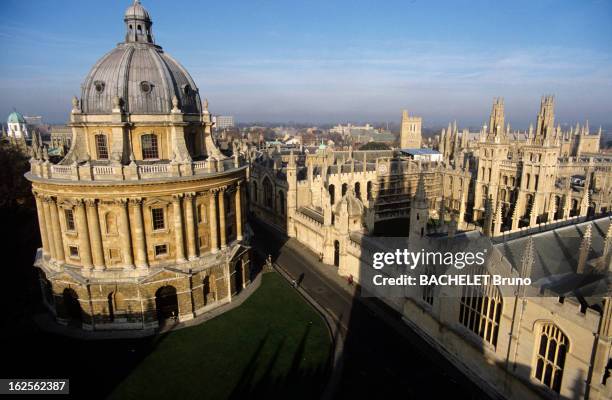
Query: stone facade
x,y
144,218
507,188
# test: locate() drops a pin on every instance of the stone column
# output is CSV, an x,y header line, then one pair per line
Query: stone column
x,y
42,224
124,233
57,232
84,244
238,212
94,234
189,224
222,228
212,210
178,227
47,204
139,236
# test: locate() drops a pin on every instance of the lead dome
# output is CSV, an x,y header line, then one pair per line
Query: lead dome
x,y
140,73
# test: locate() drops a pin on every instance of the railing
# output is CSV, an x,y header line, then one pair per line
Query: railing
x,y
61,170
103,170
153,169
121,172
198,165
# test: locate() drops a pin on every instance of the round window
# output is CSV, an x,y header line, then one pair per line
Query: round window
x,y
99,85
146,87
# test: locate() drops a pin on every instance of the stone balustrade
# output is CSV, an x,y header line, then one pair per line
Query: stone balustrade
x,y
87,171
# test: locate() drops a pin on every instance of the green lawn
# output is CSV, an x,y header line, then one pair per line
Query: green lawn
x,y
274,344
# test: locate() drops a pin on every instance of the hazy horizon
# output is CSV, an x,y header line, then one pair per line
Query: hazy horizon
x,y
331,62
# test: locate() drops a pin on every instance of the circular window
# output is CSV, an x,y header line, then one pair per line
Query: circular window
x,y
146,87
99,85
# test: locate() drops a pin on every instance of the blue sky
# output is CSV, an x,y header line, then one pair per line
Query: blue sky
x,y
331,61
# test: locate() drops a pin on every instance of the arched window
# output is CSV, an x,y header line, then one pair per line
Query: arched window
x,y
116,303
358,190
332,194
427,291
550,358
111,223
101,147
281,202
527,181
254,194
150,150
344,188
480,311
369,190
268,194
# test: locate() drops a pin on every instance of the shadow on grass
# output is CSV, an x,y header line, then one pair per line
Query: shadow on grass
x,y
298,382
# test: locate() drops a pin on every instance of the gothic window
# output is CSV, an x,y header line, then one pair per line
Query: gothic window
x,y
344,188
480,311
527,181
150,149
157,217
268,194
69,220
536,180
281,202
369,190
254,194
550,358
427,291
358,190
332,194
101,147
111,223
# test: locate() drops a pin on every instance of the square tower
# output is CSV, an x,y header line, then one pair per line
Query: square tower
x,y
410,134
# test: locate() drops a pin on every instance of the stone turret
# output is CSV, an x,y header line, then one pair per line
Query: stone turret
x,y
527,261
606,259
498,219
419,211
488,216
585,248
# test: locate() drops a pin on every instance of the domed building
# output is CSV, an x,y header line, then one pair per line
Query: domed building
x,y
17,126
143,219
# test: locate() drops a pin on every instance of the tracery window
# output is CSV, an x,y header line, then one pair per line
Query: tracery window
x,y
101,147
150,149
480,311
268,196
550,359
427,291
281,202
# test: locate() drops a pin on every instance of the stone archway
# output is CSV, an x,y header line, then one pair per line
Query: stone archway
x,y
336,253
238,278
166,303
72,306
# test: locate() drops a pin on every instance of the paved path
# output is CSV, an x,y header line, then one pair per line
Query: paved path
x,y
382,356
